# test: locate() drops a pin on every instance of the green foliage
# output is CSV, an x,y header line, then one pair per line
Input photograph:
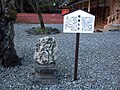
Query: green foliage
x,y
8,10
39,30
46,6
11,13
70,0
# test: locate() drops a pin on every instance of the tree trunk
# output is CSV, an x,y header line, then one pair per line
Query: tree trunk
x,y
41,21
8,56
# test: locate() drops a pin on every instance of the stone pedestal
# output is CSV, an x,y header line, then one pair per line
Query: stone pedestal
x,y
45,74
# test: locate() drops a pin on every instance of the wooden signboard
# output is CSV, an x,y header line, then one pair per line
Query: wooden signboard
x,y
78,22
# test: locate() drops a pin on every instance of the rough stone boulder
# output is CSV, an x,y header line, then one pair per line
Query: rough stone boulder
x,y
45,51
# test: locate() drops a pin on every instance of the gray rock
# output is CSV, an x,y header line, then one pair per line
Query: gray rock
x,y
45,51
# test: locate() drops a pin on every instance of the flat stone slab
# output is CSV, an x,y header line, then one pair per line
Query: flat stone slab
x,y
45,68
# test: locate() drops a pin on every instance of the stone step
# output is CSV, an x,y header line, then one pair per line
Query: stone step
x,y
116,25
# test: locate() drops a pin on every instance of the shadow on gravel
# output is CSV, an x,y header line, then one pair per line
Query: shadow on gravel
x,y
114,30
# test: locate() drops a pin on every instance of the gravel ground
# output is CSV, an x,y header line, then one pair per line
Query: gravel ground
x,y
98,68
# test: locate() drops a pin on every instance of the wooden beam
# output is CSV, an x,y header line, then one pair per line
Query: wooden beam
x,y
83,6
82,1
89,3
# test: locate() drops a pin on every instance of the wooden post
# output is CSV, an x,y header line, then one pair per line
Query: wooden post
x,y
76,56
77,48
89,5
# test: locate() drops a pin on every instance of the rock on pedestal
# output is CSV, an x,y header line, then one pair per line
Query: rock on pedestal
x,y
45,59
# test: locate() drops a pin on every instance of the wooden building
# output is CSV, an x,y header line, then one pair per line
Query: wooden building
x,y
107,12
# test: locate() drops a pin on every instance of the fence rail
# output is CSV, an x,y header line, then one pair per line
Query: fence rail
x,y
113,17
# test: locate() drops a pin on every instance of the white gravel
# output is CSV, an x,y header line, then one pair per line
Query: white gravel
x,y
98,68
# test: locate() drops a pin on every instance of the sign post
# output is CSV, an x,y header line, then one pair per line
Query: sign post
x,y
78,22
76,56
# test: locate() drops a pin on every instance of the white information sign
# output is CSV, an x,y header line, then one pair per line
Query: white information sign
x,y
78,22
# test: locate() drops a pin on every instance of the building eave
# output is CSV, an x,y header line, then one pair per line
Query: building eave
x,y
77,2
